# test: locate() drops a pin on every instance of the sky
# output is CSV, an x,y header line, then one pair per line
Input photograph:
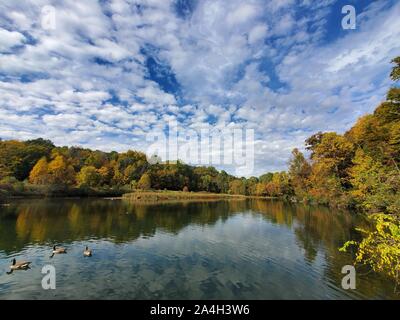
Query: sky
x,y
105,74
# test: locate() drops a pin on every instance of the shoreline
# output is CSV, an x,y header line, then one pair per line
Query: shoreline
x,y
142,196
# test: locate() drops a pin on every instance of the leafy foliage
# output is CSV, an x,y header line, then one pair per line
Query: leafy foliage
x,y
144,182
380,247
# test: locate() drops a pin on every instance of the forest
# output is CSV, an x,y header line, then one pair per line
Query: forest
x,y
358,169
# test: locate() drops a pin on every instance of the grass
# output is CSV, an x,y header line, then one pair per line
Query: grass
x,y
168,195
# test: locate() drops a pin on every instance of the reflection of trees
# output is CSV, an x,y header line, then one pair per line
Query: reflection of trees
x,y
52,220
49,221
313,225
59,221
319,229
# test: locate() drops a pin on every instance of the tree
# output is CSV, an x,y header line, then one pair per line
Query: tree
x,y
222,182
251,186
394,141
280,184
325,185
96,159
375,187
106,174
332,156
237,186
88,176
130,166
18,158
267,177
375,178
144,182
393,95
395,74
313,141
40,173
299,173
61,173
118,177
260,189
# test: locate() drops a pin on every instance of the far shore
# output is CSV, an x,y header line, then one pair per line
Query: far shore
x,y
168,195
141,196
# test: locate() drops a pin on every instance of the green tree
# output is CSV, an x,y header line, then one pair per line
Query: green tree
x,y
267,177
237,186
18,158
88,176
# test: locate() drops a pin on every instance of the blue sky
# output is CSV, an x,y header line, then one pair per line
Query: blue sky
x,y
113,71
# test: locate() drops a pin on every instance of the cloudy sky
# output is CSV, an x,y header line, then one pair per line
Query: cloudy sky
x,y
109,72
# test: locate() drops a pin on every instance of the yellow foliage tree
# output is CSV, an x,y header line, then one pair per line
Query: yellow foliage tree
x,y
39,173
61,172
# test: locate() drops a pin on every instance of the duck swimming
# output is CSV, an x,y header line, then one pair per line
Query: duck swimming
x,y
87,252
19,265
58,251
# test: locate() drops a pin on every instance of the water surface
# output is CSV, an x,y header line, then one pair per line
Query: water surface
x,y
254,249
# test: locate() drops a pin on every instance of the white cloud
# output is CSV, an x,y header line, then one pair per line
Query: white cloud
x,y
259,32
9,39
242,13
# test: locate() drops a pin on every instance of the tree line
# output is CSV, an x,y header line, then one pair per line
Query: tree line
x,y
39,165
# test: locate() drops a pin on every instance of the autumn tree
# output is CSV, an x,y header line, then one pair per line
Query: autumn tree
x,y
106,174
299,172
88,176
260,189
144,182
61,172
40,173
237,186
18,158
280,184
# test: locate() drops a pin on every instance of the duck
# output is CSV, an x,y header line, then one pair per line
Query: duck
x,y
19,265
58,251
87,252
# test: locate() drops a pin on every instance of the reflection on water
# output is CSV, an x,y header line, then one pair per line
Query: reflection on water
x,y
253,249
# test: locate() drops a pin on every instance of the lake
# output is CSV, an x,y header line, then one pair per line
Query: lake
x,y
248,249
